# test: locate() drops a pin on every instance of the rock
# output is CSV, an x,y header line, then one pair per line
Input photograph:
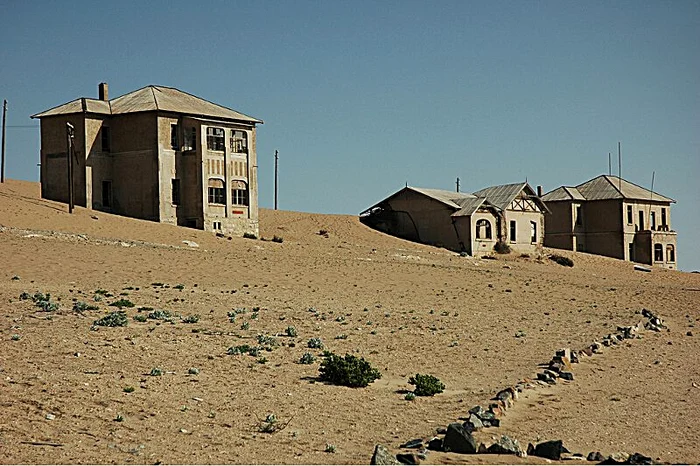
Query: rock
x,y
689,333
494,412
473,423
382,456
595,456
596,348
415,443
564,353
556,367
50,417
408,458
459,440
505,395
435,444
545,377
441,430
566,375
505,446
551,449
638,458
616,458
587,351
574,357
478,410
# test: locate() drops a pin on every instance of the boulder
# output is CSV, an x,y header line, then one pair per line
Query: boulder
x,y
459,440
408,458
566,375
435,444
382,456
595,456
616,458
505,446
551,449
473,423
638,458
415,443
564,353
478,410
574,357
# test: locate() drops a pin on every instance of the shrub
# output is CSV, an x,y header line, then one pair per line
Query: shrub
x,y
249,236
291,332
307,358
160,315
113,319
277,239
315,343
129,389
501,247
245,326
179,286
330,448
193,319
561,260
140,318
410,396
349,371
193,371
156,372
267,342
426,385
17,337
80,306
122,303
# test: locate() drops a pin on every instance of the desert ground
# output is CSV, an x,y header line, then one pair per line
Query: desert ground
x,y
75,393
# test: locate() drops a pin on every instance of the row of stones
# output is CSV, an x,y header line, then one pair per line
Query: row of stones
x,y
459,438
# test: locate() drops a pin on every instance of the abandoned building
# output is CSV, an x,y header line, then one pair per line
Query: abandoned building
x,y
471,223
156,153
612,217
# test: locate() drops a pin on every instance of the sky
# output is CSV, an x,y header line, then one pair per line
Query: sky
x,y
362,97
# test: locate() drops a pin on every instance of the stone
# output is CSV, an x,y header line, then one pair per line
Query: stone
x,y
50,417
587,351
459,440
505,395
564,353
435,444
408,458
505,446
415,443
544,377
616,458
478,410
551,449
556,367
382,456
595,456
574,357
638,458
473,423
552,374
566,375
596,348
441,430
689,333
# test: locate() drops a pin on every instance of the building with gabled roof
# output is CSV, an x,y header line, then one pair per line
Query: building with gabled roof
x,y
156,153
613,217
470,223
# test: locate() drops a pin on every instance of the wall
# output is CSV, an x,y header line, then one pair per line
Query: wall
x,y
558,225
54,163
98,163
523,241
603,225
481,246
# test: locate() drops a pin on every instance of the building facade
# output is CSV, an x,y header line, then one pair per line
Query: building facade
x,y
612,217
156,153
463,222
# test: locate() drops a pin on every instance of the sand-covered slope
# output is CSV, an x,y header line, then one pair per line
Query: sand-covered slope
x,y
405,307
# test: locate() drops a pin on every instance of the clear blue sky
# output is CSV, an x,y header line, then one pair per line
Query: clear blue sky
x,y
362,97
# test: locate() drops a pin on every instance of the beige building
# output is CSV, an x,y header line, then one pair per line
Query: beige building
x,y
156,153
471,223
612,217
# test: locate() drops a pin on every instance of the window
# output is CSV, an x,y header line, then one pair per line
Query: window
x,y
629,215
533,232
641,220
216,225
174,139
579,219
658,253
630,250
190,139
215,139
483,229
513,229
670,253
653,221
176,191
239,193
106,194
217,191
106,139
239,142
663,218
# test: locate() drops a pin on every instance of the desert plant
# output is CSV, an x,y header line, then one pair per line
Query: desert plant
x,y
410,396
113,319
501,247
245,326
156,372
179,286
160,315
267,342
193,319
119,418
349,371
80,306
307,358
315,343
426,385
140,318
129,389
231,316
561,260
120,303
330,448
193,371
291,332
16,337
277,239
342,336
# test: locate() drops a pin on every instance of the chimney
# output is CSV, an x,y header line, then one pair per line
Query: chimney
x,y
539,191
103,91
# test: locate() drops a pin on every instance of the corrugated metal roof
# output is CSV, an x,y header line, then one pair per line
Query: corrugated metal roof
x,y
150,98
501,196
563,193
469,206
451,198
612,187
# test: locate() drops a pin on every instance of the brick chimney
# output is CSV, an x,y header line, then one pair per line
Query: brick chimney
x,y
103,91
539,191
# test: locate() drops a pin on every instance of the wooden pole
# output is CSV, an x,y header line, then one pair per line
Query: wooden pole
x,y
619,166
69,154
276,163
457,184
4,121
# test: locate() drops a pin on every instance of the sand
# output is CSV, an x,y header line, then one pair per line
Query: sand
x,y
405,307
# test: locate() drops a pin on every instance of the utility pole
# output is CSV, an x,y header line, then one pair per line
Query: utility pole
x,y
4,120
70,133
276,163
619,166
457,184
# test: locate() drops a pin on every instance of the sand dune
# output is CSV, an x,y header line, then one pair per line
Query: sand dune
x,y
407,308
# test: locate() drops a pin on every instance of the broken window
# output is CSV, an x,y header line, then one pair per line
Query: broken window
x,y
629,215
239,193
176,191
190,139
670,253
579,218
658,252
216,191
215,139
513,230
533,232
653,220
483,229
174,139
106,139
663,218
239,142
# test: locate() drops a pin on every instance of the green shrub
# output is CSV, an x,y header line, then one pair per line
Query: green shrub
x,y
561,260
179,286
501,247
140,318
193,319
349,371
315,343
291,332
193,371
267,342
122,303
330,448
129,389
156,372
80,306
113,319
245,326
410,396
426,385
160,315
307,358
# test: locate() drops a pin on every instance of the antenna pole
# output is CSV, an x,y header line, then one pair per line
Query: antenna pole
x,y
457,184
70,134
276,163
609,164
4,120
619,166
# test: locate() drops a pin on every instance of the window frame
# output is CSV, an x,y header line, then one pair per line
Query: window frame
x,y
174,136
216,139
486,225
630,215
658,252
106,138
670,253
216,195
513,233
176,191
533,232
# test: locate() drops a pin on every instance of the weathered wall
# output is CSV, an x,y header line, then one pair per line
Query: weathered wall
x,y
54,162
98,163
558,225
523,241
603,225
483,245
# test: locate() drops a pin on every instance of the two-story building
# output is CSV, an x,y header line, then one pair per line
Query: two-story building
x,y
612,217
156,153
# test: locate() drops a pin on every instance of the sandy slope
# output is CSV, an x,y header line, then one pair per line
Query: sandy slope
x,y
406,307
